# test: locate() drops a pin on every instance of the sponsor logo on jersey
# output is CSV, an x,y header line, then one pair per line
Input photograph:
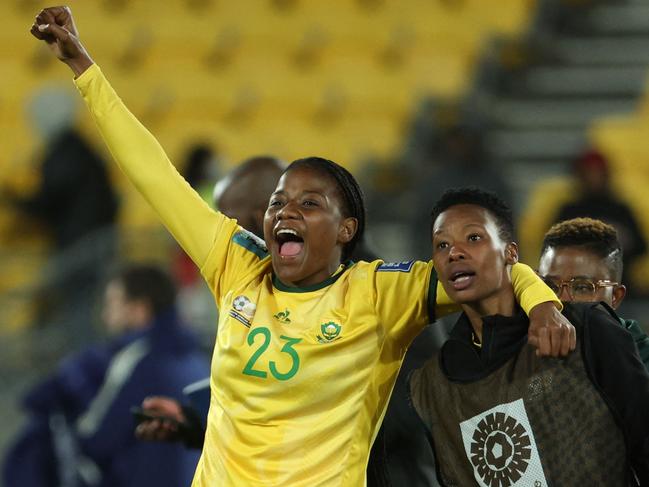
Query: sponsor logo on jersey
x,y
500,445
330,332
283,316
405,266
243,310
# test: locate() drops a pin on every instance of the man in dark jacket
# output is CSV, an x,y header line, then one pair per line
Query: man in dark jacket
x,y
499,414
81,426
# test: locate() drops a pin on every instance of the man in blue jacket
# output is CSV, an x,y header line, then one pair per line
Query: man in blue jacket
x,y
81,428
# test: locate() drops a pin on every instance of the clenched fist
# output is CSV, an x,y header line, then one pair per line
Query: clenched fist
x,y
55,26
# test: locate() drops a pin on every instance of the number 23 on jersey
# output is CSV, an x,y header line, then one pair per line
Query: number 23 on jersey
x,y
259,340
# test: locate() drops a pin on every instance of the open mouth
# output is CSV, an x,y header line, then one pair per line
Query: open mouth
x,y
461,276
462,279
290,243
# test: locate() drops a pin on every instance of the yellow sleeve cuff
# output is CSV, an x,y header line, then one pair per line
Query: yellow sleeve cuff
x,y
530,290
87,76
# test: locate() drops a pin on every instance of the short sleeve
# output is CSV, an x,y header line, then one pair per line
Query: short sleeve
x,y
404,295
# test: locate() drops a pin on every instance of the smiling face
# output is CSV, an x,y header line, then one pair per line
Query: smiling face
x,y
305,228
471,259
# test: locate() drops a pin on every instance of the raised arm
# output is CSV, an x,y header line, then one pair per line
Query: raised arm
x,y
190,220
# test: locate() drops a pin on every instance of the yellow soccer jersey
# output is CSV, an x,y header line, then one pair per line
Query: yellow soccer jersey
x,y
300,377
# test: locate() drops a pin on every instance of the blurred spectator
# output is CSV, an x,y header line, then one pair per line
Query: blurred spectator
x,y
596,199
75,197
244,193
80,430
75,201
200,171
459,160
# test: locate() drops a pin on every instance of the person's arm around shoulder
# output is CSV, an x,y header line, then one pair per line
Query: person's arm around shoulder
x,y
550,332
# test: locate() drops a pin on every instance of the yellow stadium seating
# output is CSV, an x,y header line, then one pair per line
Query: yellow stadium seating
x,y
290,78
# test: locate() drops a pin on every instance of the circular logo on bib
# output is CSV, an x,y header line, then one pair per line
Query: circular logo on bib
x,y
500,450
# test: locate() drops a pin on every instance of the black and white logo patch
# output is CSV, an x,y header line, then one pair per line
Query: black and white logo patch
x,y
500,445
243,309
240,303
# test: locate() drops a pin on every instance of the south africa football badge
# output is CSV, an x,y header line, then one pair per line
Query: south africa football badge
x,y
330,331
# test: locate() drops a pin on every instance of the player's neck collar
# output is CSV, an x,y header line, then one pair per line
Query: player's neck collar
x,y
313,287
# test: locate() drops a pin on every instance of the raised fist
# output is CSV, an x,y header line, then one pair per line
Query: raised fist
x,y
55,26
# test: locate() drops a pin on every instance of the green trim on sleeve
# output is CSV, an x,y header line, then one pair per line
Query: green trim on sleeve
x,y
250,242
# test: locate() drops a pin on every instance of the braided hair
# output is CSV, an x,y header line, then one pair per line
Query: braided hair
x,y
352,195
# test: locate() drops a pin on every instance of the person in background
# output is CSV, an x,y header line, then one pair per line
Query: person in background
x,y
582,261
78,206
80,430
498,413
597,199
74,197
243,194
200,170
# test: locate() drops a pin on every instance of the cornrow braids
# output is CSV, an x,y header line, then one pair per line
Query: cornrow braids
x,y
601,238
352,195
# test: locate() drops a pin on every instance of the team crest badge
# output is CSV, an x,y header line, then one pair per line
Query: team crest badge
x,y
330,332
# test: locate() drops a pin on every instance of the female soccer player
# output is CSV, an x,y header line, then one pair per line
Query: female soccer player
x,y
308,346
